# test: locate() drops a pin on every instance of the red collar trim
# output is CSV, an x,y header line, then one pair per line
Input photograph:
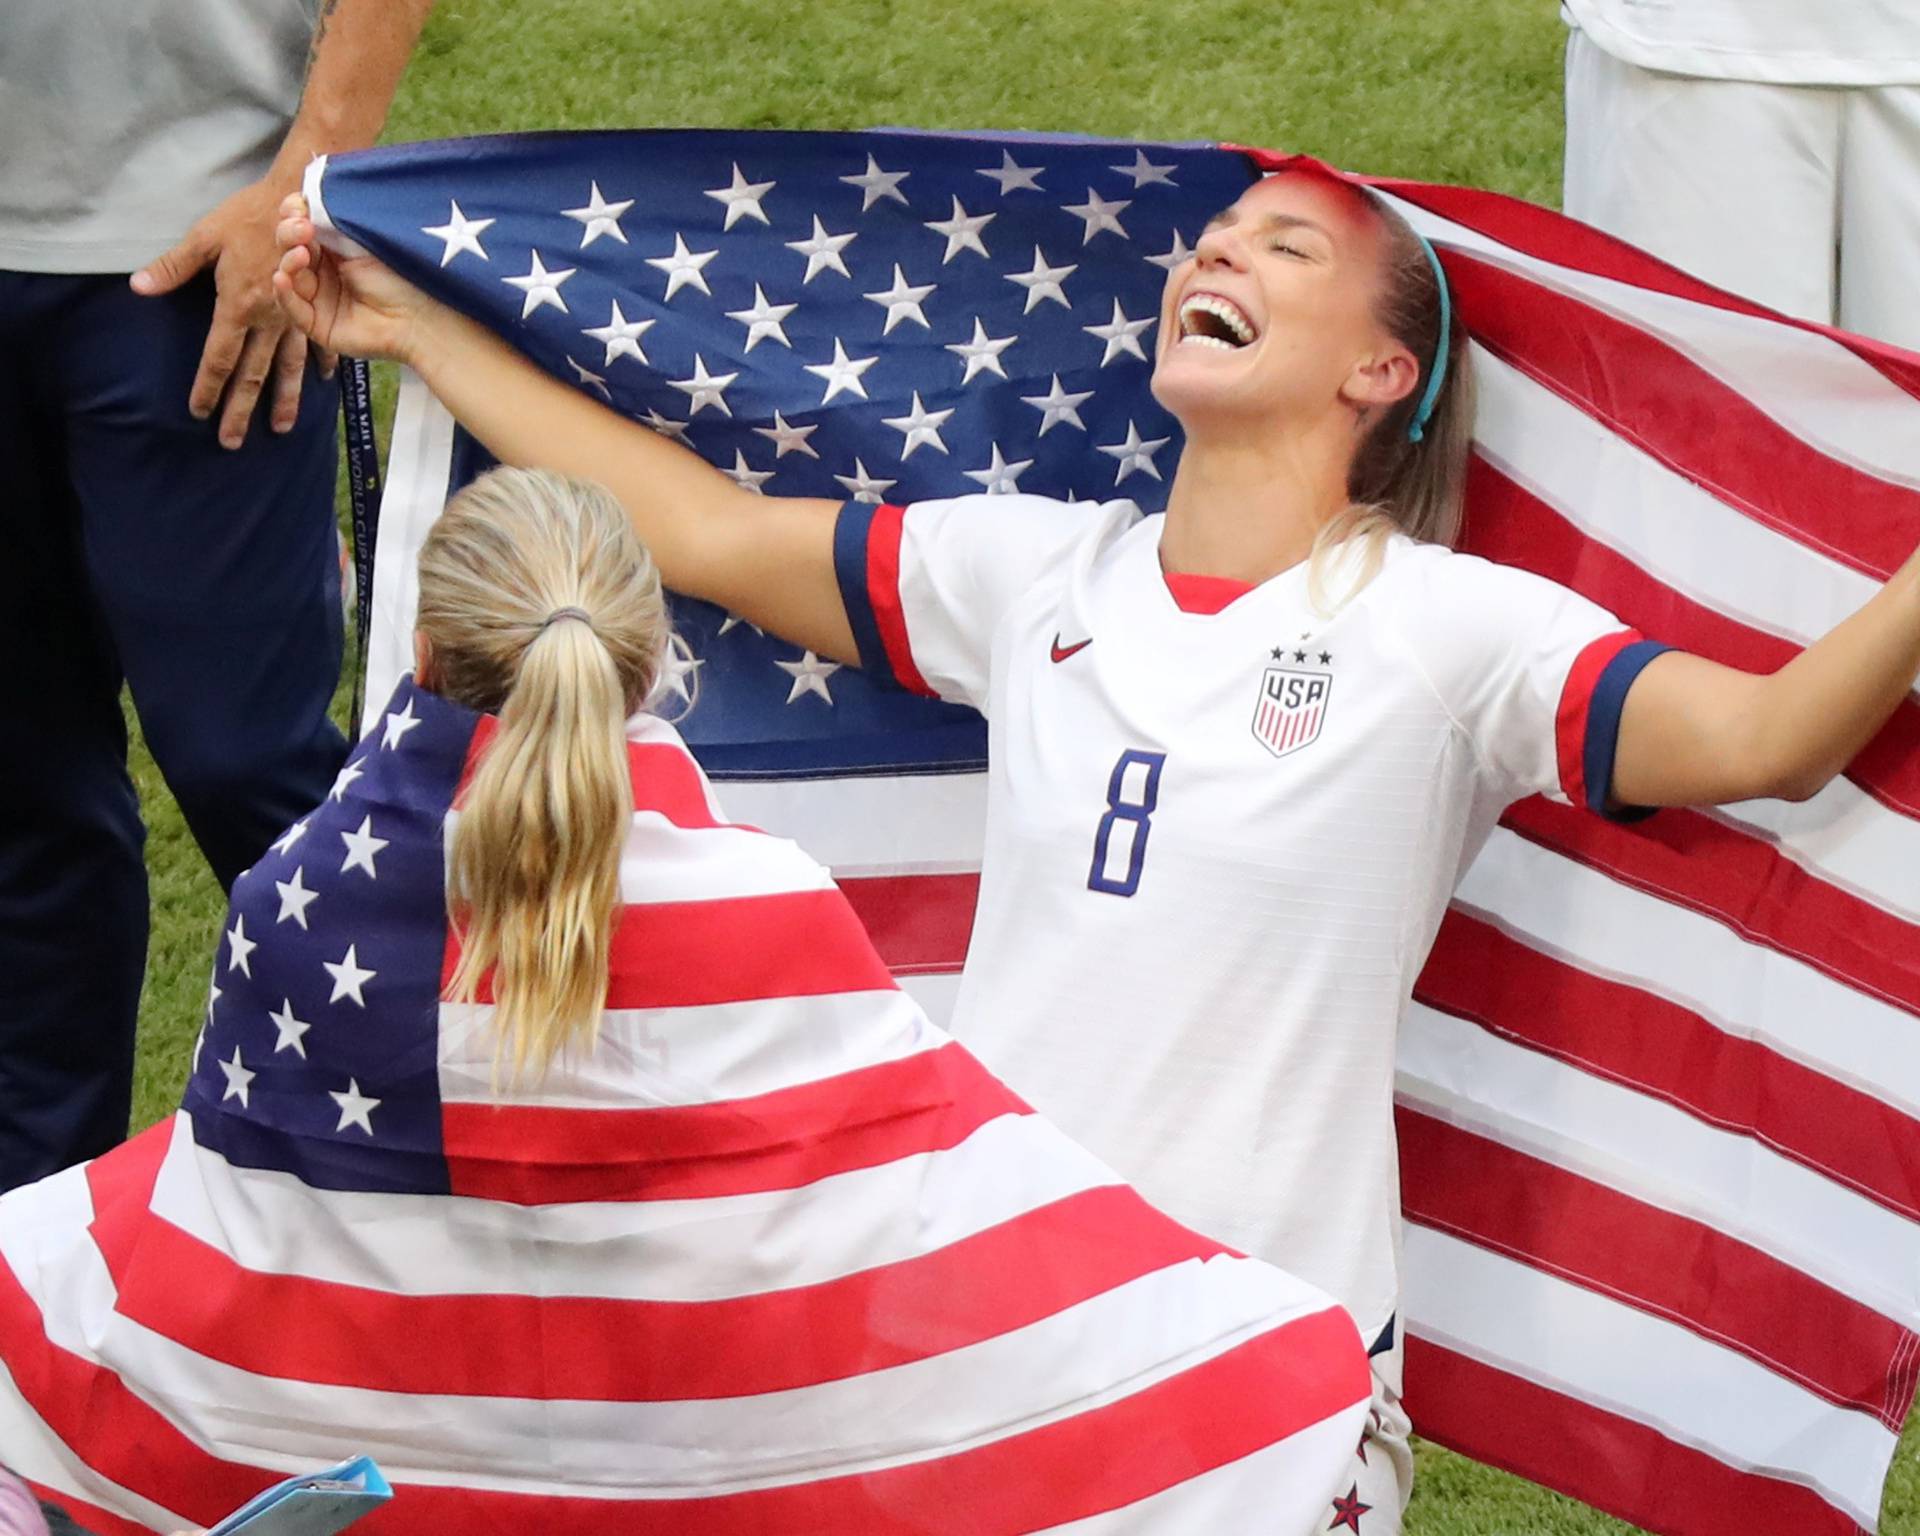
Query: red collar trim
x,y
1203,594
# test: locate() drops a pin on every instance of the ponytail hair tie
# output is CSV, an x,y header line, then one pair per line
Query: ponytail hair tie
x,y
567,613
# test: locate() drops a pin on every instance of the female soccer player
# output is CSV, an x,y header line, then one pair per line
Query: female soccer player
x,y
571,1152
1194,941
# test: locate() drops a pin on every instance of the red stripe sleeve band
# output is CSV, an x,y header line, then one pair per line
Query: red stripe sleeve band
x,y
866,561
1587,724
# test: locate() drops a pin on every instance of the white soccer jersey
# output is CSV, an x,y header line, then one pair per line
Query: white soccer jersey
x,y
1219,845
1779,42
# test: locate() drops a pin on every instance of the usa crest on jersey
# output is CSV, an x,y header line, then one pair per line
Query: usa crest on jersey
x,y
1291,708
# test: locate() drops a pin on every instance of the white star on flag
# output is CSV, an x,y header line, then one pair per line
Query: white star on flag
x,y
742,199
920,425
355,1107
901,301
787,438
1056,405
822,251
540,286
1143,172
683,267
679,663
843,373
962,230
295,898
1120,334
239,1079
1172,258
982,354
213,993
600,217
460,233
1099,215
733,620
862,486
361,847
240,948
291,836
292,1030
349,976
763,320
666,426
809,675
588,377
875,184
1043,282
1135,453
1012,177
1000,478
343,781
746,476
705,389
397,726
621,337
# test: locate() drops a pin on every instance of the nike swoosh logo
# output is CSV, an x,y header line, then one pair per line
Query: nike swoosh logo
x,y
1062,652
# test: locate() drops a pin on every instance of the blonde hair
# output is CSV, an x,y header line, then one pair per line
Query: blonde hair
x,y
539,602
1396,485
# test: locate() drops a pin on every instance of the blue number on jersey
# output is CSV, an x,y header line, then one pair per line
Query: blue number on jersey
x,y
1135,815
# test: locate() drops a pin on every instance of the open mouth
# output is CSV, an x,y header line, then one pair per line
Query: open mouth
x,y
1207,320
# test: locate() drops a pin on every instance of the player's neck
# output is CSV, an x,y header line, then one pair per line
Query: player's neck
x,y
1248,508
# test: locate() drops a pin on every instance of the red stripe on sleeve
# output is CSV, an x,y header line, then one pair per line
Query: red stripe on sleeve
x,y
1614,1463
883,592
791,1137
1576,697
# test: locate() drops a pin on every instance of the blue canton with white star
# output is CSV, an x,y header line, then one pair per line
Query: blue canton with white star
x,y
892,316
320,1052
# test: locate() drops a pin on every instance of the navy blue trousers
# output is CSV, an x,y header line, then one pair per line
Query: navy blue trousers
x,y
134,548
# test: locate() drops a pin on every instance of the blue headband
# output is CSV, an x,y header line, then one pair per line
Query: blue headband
x,y
1437,375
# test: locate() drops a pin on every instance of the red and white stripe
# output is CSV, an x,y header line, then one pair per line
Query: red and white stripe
x,y
1660,1100
767,1260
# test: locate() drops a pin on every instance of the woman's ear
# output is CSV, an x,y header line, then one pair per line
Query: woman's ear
x,y
1380,379
422,659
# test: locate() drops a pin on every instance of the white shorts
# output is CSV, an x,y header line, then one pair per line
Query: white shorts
x,y
1373,1498
1804,198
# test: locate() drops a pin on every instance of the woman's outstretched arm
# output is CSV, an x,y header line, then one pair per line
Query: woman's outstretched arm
x,y
767,558
1693,732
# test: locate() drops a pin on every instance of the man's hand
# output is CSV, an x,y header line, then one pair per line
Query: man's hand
x,y
249,339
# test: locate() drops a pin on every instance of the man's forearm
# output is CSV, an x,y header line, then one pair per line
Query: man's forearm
x,y
360,51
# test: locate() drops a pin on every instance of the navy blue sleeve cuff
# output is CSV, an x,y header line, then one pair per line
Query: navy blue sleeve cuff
x,y
1603,729
850,533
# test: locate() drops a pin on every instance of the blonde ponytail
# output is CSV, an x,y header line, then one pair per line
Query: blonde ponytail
x,y
538,601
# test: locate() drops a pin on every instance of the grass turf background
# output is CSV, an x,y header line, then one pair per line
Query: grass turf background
x,y
1445,90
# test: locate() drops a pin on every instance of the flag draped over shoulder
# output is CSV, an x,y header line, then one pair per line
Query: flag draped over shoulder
x,y
1659,1084
778,1258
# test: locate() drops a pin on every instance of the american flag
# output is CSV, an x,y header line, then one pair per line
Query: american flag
x,y
1658,1085
777,1257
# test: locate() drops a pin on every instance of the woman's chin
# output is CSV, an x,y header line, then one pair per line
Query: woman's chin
x,y
1203,387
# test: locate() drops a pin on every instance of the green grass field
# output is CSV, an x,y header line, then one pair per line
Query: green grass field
x,y
1453,90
